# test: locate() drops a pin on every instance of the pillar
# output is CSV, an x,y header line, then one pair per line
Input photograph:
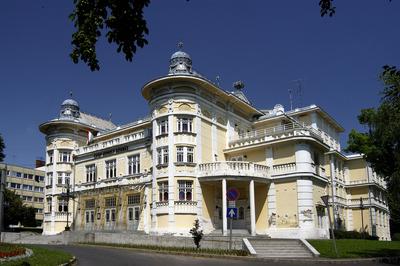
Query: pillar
x,y
252,210
224,219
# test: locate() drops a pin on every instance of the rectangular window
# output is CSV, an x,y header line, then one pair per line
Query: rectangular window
x,y
185,190
62,205
133,199
185,124
162,155
163,127
108,215
59,178
90,204
113,215
49,179
64,156
134,164
133,213
184,154
63,178
111,168
163,191
49,204
89,216
110,202
18,174
50,157
91,173
179,154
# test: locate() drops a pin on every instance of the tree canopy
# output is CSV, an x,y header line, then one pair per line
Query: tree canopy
x,y
380,143
122,22
2,147
15,212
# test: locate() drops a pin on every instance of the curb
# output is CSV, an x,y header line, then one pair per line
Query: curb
x,y
71,262
390,260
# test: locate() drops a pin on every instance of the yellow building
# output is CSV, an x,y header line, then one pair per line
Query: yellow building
x,y
160,173
28,183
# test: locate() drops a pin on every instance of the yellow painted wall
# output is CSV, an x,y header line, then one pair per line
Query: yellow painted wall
x,y
357,169
257,156
305,119
286,204
261,206
284,153
206,147
184,221
221,143
358,192
209,204
357,220
162,221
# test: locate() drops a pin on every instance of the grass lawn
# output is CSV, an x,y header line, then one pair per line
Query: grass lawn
x,y
357,248
42,257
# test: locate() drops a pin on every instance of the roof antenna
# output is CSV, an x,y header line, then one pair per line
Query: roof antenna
x,y
217,80
296,93
70,94
110,116
180,46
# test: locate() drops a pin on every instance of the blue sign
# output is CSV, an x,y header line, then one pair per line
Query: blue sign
x,y
232,213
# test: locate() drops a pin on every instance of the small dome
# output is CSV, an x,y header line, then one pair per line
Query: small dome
x,y
70,102
180,54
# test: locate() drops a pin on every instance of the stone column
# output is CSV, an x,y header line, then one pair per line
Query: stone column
x,y
224,219
252,209
154,180
53,190
305,203
303,158
199,159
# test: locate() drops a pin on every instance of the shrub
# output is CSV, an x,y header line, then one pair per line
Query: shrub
x,y
196,233
340,234
396,237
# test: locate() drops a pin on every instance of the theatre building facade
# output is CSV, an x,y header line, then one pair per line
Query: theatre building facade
x,y
161,173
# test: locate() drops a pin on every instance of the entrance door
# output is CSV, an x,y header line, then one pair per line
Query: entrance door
x,y
240,221
133,217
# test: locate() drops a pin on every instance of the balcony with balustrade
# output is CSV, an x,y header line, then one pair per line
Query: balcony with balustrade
x,y
275,133
58,216
234,169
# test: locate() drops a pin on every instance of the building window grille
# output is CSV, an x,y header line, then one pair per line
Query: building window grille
x,y
163,127
133,199
111,168
90,204
185,124
163,191
134,164
91,173
110,202
185,190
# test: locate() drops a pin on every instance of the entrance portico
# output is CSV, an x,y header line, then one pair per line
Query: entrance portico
x,y
247,178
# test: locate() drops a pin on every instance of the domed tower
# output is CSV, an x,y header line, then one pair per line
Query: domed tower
x,y
64,135
180,62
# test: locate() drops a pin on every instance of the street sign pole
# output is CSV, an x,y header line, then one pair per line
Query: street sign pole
x,y
230,234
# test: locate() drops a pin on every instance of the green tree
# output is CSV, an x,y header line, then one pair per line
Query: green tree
x,y
380,143
2,147
15,212
196,233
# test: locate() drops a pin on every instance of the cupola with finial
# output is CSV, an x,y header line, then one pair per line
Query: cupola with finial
x,y
180,62
69,109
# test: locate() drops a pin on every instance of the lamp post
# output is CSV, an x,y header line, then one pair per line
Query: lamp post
x,y
362,217
67,196
325,200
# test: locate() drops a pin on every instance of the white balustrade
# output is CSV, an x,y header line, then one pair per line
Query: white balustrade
x,y
185,206
162,207
233,168
286,168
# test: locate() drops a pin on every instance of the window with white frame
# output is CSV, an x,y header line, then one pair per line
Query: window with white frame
x,y
63,178
133,213
64,156
110,215
110,202
49,179
163,191
185,188
134,164
184,154
185,124
89,215
91,173
111,168
49,204
163,127
50,156
62,205
133,199
162,155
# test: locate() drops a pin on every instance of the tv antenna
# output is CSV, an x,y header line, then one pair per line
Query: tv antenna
x,y
296,93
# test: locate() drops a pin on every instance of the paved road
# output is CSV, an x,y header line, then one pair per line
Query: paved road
x,y
99,256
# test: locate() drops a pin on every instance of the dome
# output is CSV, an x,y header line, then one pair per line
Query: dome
x,y
180,54
70,102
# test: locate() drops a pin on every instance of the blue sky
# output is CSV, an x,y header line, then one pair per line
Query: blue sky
x,y
266,44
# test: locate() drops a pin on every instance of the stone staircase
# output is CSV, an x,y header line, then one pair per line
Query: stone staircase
x,y
280,248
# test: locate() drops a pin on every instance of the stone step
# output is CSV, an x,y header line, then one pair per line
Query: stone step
x,y
280,248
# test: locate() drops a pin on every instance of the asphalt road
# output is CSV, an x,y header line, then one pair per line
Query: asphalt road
x,y
107,256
